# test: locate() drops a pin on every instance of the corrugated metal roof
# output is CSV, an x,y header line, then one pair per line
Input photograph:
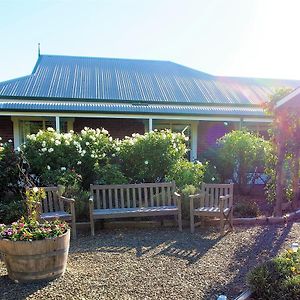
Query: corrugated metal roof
x,y
130,108
106,79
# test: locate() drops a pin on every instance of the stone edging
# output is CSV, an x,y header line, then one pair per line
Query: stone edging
x,y
267,220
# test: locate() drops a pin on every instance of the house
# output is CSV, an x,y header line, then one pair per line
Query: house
x,y
127,95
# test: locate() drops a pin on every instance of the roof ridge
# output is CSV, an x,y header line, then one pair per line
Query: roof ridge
x,y
108,58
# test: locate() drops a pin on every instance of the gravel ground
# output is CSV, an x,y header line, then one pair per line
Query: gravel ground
x,y
159,263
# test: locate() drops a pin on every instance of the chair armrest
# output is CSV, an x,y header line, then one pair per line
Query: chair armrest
x,y
222,201
68,200
197,196
177,199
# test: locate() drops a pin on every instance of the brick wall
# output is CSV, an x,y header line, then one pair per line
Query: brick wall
x,y
209,132
6,129
118,128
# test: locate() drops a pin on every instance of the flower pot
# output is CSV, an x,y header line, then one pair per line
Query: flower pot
x,y
36,260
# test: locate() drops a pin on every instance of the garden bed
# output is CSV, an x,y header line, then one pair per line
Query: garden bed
x,y
158,263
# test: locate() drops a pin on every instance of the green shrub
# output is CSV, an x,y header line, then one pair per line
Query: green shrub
x,y
9,170
12,207
149,157
246,209
278,278
65,157
185,204
242,151
186,173
109,174
81,201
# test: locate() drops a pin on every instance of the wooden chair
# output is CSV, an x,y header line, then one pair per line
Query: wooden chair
x,y
54,207
215,201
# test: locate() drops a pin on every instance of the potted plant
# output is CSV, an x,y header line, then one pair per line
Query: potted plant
x,y
34,250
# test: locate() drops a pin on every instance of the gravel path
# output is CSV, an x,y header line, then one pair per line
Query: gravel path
x,y
158,263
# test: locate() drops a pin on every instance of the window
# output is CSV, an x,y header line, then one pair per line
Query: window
x,y
27,127
24,126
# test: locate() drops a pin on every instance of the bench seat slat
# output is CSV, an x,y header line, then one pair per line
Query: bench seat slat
x,y
136,212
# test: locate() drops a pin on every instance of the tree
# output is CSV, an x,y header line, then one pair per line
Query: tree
x,y
241,152
285,138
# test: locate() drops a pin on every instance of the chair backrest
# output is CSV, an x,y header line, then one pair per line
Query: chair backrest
x,y
213,193
52,201
133,195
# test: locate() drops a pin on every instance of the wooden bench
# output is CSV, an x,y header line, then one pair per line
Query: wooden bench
x,y
53,206
134,200
214,200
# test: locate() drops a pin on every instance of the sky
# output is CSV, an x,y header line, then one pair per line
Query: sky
x,y
248,38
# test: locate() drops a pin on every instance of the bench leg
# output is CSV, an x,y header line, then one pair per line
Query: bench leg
x,y
74,235
231,219
222,224
180,221
92,227
192,222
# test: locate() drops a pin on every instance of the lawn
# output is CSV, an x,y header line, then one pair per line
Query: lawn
x,y
158,263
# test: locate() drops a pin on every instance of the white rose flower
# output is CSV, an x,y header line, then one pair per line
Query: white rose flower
x,y
10,141
104,131
48,167
146,162
35,189
50,150
44,149
50,129
57,142
110,139
43,144
213,178
0,138
18,149
79,162
87,143
63,168
113,155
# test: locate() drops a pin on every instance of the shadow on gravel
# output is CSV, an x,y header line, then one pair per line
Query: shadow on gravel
x,y
191,251
167,242
267,245
10,290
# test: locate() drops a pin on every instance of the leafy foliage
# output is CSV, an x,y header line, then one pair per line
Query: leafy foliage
x,y
246,209
149,157
9,171
241,152
186,173
278,278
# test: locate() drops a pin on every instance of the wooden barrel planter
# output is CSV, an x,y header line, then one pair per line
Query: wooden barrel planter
x,y
36,260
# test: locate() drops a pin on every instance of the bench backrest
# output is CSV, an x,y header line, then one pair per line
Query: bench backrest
x,y
133,195
213,193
